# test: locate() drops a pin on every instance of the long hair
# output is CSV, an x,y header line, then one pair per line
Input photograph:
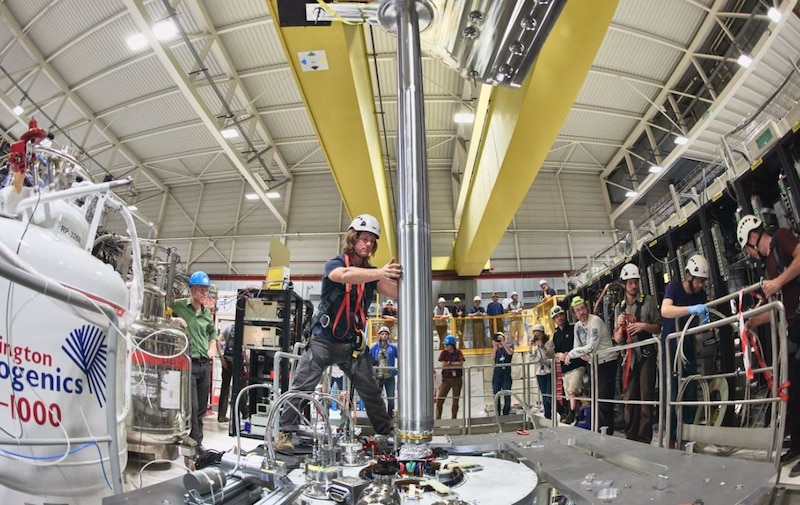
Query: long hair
x,y
349,242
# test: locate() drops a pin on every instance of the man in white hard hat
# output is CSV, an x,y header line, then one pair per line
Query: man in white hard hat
x,y
459,312
478,313
683,298
441,318
516,327
384,354
780,252
547,291
638,318
337,327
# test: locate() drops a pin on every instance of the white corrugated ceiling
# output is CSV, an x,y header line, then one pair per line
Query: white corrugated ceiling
x,y
67,63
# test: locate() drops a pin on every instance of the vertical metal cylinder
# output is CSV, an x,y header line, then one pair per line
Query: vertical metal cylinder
x,y
413,216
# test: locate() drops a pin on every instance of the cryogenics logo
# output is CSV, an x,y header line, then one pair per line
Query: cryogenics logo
x,y
86,347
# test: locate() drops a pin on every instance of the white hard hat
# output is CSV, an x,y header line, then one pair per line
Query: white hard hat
x,y
747,224
629,271
477,298
384,329
389,302
514,293
365,222
542,282
556,311
441,300
697,266
538,327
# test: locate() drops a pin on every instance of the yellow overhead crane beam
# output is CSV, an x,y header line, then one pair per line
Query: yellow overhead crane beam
x,y
515,129
340,101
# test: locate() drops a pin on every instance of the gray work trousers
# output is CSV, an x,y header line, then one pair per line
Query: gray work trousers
x,y
323,352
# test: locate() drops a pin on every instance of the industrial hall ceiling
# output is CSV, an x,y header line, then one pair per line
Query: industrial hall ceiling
x,y
232,137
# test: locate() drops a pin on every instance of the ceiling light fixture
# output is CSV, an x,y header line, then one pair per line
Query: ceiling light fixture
x,y
18,110
681,140
251,196
464,117
229,133
774,14
631,194
744,60
272,195
654,169
137,41
132,208
165,29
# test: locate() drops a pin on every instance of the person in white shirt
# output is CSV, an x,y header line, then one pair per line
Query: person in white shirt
x,y
592,336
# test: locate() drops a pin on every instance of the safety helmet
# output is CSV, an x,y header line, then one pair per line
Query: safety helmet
x,y
538,327
441,300
384,329
514,294
477,298
456,299
697,266
542,282
199,278
365,222
747,224
449,340
556,311
389,302
629,271
577,301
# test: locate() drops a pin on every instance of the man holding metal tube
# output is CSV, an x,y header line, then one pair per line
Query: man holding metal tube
x,y
638,319
337,328
780,253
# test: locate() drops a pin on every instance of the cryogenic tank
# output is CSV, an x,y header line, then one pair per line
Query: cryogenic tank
x,y
161,406
53,374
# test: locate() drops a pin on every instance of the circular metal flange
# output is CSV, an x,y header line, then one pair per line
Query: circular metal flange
x,y
387,15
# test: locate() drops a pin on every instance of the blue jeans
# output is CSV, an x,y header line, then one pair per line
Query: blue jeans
x,y
501,379
545,387
388,386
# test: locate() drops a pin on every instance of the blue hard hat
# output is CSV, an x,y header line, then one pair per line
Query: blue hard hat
x,y
449,339
199,278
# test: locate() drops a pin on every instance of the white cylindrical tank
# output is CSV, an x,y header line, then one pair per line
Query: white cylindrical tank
x,y
54,374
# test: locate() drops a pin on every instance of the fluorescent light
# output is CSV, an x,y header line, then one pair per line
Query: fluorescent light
x,y
631,194
137,41
744,60
654,169
230,133
681,140
272,195
464,117
165,29
774,14
251,196
18,110
132,207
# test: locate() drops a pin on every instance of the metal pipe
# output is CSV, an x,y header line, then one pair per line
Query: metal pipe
x,y
414,243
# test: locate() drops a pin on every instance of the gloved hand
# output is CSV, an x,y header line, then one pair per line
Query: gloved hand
x,y
700,311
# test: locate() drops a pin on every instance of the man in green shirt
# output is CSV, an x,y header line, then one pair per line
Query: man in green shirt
x,y
198,323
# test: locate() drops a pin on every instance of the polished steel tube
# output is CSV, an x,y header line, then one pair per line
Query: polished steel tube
x,y
414,241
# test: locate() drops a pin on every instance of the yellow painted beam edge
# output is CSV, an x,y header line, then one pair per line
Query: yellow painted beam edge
x,y
533,119
361,183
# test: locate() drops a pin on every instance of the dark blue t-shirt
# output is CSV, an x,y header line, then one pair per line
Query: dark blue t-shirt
x,y
495,309
335,291
680,298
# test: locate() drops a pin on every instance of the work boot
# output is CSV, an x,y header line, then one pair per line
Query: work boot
x,y
570,417
795,471
790,455
284,442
